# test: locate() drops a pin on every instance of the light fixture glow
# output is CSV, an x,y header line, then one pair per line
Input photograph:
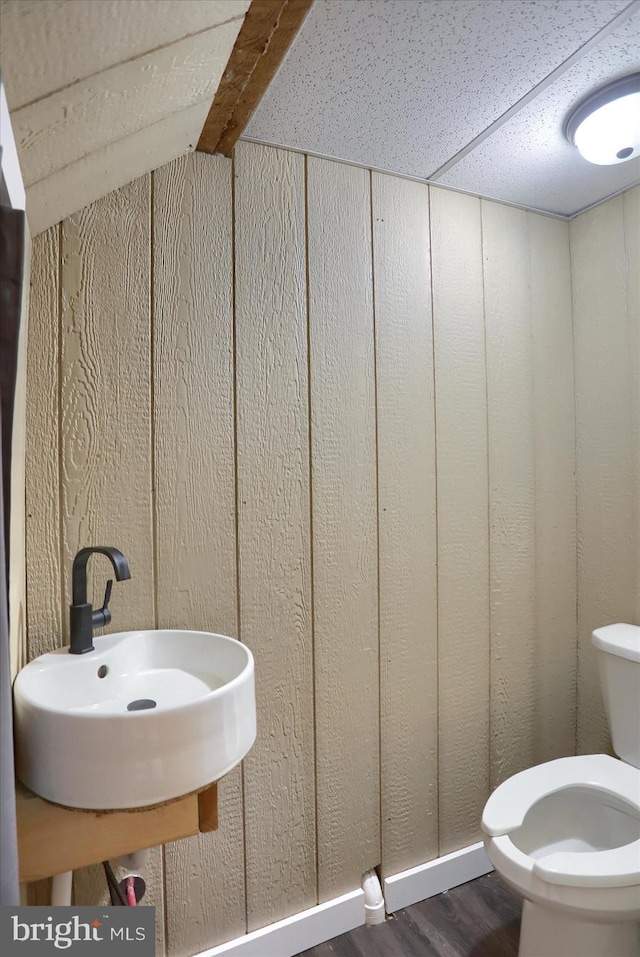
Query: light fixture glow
x,y
606,126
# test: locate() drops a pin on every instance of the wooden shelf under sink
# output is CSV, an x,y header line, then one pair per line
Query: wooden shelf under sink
x,y
54,839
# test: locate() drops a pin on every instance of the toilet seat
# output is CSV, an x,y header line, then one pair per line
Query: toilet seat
x,y
508,805
617,783
619,867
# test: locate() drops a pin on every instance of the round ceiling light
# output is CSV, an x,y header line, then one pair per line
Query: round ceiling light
x,y
606,126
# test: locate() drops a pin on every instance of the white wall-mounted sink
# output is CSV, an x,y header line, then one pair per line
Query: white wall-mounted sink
x,y
146,717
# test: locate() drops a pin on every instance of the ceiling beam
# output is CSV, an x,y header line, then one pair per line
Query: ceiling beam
x,y
265,36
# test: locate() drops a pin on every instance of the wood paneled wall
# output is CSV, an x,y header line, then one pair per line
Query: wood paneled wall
x,y
605,261
331,413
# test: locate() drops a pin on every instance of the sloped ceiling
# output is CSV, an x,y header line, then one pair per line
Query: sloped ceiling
x,y
468,93
102,91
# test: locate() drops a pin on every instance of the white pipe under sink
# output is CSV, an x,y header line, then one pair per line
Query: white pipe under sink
x,y
373,899
134,862
61,889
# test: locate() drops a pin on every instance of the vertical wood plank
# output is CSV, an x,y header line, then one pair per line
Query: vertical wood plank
x,y
511,488
407,523
42,479
274,528
463,535
555,545
632,247
195,497
344,524
105,395
106,420
606,536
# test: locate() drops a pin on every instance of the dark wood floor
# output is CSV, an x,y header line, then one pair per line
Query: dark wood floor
x,y
478,919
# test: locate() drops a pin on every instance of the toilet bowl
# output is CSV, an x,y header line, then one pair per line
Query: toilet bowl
x,y
565,835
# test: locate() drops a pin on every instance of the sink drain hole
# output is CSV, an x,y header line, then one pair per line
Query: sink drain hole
x,y
141,704
103,671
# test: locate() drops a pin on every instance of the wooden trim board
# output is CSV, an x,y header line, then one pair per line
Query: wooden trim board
x,y
208,809
265,36
54,839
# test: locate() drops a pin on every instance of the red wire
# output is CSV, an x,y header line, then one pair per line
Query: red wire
x,y
130,884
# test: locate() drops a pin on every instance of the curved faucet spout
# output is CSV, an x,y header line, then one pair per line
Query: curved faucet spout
x,y
83,619
79,572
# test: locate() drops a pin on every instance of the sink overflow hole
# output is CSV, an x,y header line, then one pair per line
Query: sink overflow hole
x,y
103,671
141,704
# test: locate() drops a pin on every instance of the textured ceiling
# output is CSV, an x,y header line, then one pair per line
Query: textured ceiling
x,y
101,91
529,161
421,88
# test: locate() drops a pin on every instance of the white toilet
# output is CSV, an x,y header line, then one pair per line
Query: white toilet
x,y
566,834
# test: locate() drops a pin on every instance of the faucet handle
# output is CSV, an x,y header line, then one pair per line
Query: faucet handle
x,y
102,616
107,596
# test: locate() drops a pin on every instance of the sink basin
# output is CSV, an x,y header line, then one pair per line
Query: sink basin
x,y
146,717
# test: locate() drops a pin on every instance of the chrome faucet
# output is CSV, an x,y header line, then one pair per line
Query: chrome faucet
x,y
83,619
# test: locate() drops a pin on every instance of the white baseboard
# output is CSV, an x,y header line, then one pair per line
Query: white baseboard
x,y
294,934
291,936
427,880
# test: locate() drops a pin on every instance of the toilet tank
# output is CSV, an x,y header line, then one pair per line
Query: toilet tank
x,y
619,661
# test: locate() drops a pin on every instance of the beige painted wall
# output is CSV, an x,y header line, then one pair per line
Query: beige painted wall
x,y
605,261
331,413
